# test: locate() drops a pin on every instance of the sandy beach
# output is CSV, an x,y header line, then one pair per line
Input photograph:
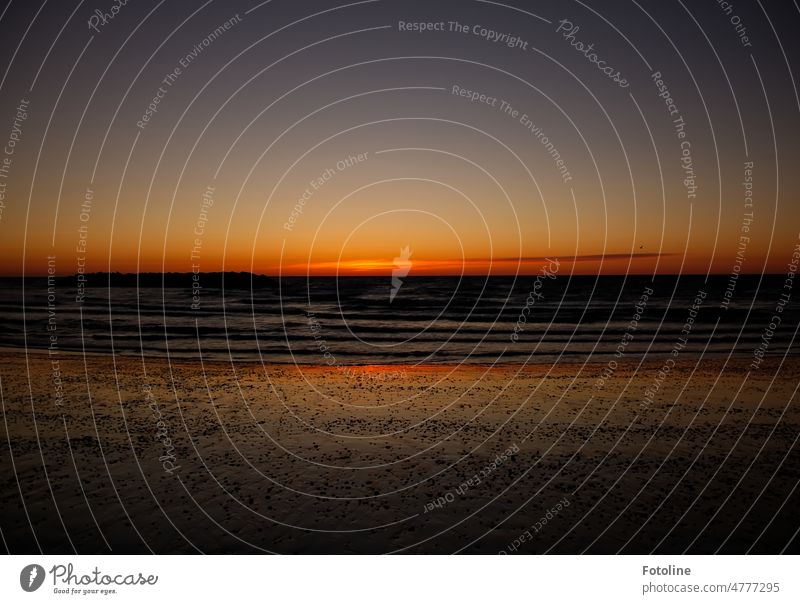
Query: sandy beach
x,y
129,455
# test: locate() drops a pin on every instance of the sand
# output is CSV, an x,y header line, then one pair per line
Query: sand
x,y
152,456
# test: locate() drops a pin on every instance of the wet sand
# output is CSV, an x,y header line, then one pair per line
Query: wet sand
x,y
145,455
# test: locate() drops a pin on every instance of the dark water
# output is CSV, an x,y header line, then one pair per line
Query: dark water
x,y
431,319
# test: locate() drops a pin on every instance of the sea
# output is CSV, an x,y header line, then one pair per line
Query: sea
x,y
542,318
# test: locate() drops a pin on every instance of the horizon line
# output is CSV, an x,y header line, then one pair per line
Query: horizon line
x,y
388,275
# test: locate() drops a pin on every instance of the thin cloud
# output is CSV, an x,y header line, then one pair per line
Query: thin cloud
x,y
580,257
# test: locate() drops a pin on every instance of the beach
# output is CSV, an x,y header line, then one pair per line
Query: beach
x,y
136,454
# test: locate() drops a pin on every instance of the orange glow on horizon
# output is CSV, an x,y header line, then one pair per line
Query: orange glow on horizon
x,y
470,266
589,264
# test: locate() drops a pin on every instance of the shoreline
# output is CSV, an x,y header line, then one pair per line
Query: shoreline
x,y
151,456
650,359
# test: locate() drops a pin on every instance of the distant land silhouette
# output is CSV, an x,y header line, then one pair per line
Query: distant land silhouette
x,y
228,280
231,280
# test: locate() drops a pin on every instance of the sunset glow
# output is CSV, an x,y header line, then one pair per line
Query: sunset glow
x,y
360,277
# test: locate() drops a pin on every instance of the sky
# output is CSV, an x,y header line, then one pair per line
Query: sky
x,y
324,138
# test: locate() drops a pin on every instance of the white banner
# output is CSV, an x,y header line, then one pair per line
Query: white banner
x,y
401,579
